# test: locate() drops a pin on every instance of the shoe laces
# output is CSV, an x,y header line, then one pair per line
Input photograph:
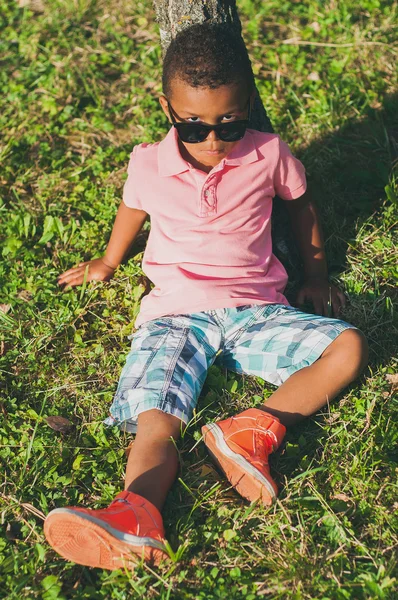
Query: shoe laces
x,y
264,444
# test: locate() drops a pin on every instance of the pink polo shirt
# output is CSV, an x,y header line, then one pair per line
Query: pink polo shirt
x,y
210,240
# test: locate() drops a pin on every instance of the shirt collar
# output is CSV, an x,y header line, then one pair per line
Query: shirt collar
x,y
170,161
245,151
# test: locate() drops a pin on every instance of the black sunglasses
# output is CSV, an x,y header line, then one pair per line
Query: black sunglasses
x,y
194,133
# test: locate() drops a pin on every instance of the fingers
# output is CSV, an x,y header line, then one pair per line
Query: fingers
x,y
341,297
327,300
70,274
73,270
74,276
319,305
338,301
74,281
336,306
332,304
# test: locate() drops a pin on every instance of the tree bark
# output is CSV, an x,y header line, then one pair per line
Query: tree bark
x,y
175,15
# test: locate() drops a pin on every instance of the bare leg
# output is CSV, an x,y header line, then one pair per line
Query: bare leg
x,y
310,389
153,460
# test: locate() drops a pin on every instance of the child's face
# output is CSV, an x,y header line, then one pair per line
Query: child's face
x,y
212,106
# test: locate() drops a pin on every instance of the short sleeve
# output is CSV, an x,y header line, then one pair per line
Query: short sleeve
x,y
289,177
130,196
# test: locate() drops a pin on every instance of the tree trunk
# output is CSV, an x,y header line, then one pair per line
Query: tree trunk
x,y
175,15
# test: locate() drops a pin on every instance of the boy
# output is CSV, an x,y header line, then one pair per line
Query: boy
x,y
208,188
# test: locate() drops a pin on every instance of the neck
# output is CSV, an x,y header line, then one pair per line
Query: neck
x,y
195,163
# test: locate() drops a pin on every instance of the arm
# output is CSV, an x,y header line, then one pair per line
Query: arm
x,y
128,223
308,234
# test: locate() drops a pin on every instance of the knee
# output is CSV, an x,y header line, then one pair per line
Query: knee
x,y
351,348
156,424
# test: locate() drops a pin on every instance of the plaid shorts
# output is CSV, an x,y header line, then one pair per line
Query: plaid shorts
x,y
169,358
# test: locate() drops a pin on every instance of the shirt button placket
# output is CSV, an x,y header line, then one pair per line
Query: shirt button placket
x,y
209,196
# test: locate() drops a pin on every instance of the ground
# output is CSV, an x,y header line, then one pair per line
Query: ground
x,y
80,81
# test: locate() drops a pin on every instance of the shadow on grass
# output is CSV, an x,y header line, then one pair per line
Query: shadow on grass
x,y
348,170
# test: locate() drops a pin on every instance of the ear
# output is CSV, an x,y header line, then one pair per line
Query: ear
x,y
164,105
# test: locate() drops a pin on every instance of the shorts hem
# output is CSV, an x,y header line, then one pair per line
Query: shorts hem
x,y
129,425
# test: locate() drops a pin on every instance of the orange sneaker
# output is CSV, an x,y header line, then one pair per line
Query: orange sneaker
x,y
240,446
130,528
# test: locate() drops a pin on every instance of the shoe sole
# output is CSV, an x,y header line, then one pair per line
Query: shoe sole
x,y
88,541
248,481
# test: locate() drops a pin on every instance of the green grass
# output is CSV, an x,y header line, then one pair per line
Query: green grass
x,y
79,88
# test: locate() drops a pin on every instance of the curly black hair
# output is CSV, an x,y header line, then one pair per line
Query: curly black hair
x,y
207,55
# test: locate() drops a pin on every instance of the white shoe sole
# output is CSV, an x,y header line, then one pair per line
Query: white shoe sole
x,y
248,481
88,541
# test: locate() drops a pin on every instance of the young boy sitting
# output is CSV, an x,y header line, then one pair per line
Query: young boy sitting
x,y
208,189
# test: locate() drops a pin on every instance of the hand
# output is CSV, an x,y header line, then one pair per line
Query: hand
x,y
97,271
326,298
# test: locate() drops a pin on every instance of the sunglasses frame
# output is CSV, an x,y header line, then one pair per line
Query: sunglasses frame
x,y
217,128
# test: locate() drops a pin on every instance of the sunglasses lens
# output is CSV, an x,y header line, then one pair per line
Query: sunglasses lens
x,y
194,134
232,132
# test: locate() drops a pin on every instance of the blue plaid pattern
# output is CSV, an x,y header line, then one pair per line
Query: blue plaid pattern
x,y
169,358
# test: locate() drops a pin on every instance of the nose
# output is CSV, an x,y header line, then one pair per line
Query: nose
x,y
212,137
